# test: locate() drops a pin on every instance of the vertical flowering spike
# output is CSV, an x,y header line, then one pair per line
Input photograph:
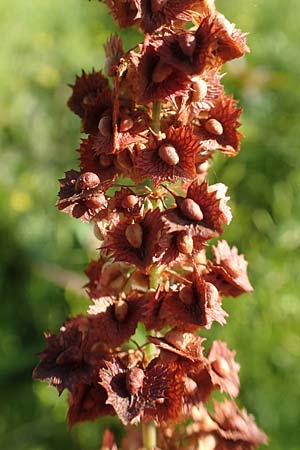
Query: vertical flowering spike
x,y
158,120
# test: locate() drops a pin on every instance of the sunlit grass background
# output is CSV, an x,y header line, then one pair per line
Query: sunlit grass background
x,y
44,43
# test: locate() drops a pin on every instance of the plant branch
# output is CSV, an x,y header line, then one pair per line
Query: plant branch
x,y
155,124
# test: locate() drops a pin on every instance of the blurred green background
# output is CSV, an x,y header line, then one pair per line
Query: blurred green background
x,y
44,44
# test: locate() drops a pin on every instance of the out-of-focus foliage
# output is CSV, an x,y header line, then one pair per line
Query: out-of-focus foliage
x,y
44,44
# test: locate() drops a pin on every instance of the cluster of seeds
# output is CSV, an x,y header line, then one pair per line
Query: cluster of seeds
x,y
152,124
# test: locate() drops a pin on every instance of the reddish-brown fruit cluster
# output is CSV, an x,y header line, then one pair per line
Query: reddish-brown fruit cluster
x,y
158,122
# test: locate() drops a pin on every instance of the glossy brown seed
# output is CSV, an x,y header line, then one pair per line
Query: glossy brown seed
x,y
168,154
129,201
187,42
161,72
186,295
213,126
105,126
126,124
134,235
87,180
191,209
134,380
185,244
121,310
96,201
221,367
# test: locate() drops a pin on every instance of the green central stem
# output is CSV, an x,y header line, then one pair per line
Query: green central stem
x,y
149,435
149,429
156,109
154,278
